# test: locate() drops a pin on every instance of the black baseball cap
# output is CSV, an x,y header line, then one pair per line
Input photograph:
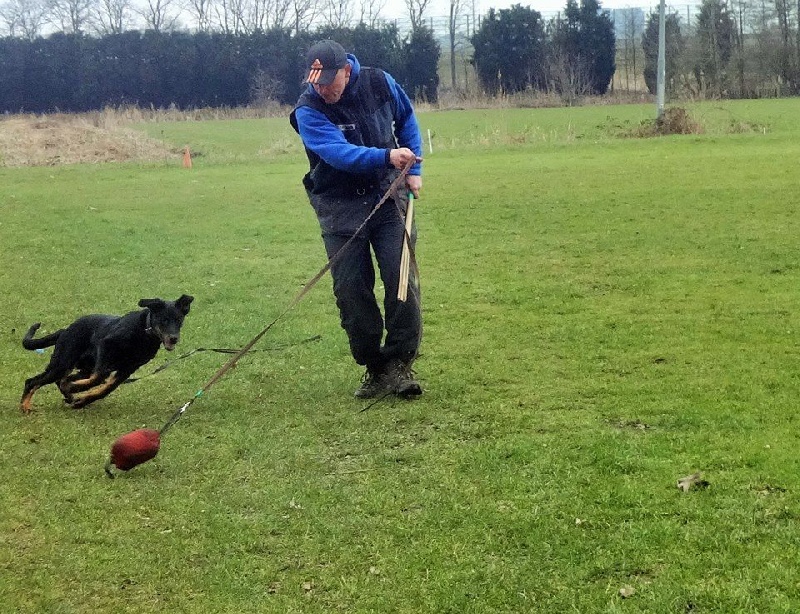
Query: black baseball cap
x,y
323,61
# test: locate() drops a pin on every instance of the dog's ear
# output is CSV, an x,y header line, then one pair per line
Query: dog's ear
x,y
151,303
183,303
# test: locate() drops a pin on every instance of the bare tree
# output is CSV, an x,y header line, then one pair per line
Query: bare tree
x,y
111,16
785,10
797,40
160,15
24,18
458,36
570,77
237,10
454,18
281,13
71,15
259,16
767,50
248,16
224,16
632,27
370,12
200,10
337,13
416,12
301,13
740,10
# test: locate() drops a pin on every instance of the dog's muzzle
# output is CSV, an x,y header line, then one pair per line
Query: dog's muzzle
x,y
169,341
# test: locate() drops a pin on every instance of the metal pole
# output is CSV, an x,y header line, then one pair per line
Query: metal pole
x,y
662,38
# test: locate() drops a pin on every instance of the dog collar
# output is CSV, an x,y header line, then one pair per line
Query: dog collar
x,y
148,327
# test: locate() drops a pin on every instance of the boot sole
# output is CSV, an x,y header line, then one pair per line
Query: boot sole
x,y
410,392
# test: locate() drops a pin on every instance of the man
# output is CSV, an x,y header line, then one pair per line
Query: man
x,y
359,131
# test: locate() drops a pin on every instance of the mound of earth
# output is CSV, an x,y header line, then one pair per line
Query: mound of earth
x,y
71,139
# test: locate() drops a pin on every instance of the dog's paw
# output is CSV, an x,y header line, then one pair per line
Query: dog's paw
x,y
76,403
65,388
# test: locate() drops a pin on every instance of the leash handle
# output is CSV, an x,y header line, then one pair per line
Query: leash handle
x,y
405,257
306,289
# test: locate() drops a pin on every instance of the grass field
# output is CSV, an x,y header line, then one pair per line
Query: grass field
x,y
603,316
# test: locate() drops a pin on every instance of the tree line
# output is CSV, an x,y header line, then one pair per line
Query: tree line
x,y
75,72
242,52
742,49
513,50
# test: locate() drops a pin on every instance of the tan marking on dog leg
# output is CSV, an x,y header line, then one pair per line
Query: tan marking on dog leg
x,y
80,385
88,381
25,403
96,392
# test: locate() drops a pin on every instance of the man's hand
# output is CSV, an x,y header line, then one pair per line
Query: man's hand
x,y
414,184
401,156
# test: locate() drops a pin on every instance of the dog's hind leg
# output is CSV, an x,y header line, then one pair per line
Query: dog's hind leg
x,y
60,366
27,395
32,384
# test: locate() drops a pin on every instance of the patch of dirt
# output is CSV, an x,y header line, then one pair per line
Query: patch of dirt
x,y
58,139
675,120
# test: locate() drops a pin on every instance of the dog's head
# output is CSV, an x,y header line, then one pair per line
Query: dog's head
x,y
166,318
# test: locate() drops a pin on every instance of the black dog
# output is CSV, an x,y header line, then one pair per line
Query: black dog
x,y
96,353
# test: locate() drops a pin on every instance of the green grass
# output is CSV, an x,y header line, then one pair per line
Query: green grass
x,y
602,317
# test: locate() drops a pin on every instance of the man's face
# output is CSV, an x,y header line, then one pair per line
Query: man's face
x,y
333,92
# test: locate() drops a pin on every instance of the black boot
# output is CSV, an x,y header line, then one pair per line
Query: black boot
x,y
400,379
373,384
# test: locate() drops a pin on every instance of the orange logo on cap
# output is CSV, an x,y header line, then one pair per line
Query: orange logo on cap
x,y
316,71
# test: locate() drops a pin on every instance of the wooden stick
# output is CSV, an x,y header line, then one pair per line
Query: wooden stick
x,y
405,258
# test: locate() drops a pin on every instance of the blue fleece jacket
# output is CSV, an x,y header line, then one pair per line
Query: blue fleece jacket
x,y
327,141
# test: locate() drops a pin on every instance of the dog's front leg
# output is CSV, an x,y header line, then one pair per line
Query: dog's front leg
x,y
69,385
110,384
65,384
95,374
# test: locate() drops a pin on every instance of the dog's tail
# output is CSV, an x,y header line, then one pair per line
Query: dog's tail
x,y
29,343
